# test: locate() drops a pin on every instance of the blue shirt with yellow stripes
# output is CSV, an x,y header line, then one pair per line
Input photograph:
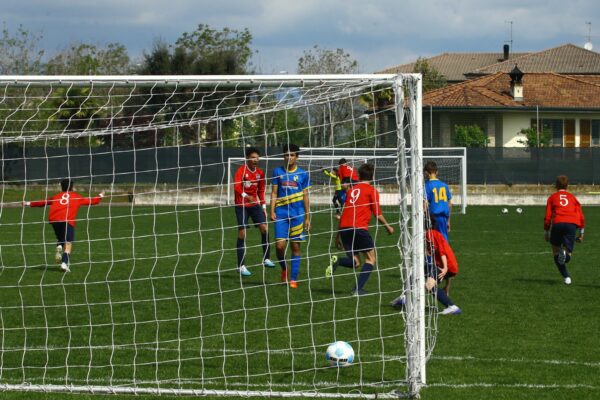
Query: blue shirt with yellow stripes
x,y
290,191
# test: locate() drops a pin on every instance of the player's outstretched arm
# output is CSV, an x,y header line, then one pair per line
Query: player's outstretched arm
x,y
306,210
383,221
273,201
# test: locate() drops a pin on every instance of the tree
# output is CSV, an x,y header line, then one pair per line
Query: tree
x,y
432,79
470,136
205,51
19,54
534,139
324,61
88,59
327,121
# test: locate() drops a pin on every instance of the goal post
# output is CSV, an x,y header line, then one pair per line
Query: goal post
x,y
154,302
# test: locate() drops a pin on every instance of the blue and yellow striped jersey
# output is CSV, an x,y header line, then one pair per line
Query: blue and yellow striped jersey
x,y
290,191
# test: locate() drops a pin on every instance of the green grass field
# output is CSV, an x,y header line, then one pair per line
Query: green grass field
x,y
161,302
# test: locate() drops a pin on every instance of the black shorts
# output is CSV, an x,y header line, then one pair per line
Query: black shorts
x,y
356,240
563,234
349,180
64,232
244,213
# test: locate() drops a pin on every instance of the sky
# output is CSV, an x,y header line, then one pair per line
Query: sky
x,y
376,33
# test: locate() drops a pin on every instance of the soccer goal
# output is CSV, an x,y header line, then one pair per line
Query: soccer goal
x,y
154,302
451,161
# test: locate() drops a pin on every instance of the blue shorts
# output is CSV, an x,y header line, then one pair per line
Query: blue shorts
x,y
441,224
341,195
64,232
356,240
244,213
563,234
291,228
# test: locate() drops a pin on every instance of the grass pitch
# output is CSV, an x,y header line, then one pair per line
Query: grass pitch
x,y
152,299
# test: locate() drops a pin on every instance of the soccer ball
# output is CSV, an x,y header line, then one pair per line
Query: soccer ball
x,y
519,210
504,211
339,354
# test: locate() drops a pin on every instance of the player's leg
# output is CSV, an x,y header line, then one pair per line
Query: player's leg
x,y
295,262
59,232
69,239
281,228
448,281
242,220
431,285
557,234
365,272
296,235
259,217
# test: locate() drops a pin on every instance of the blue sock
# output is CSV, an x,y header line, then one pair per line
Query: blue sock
x,y
346,262
295,268
561,267
443,298
264,237
364,275
65,258
241,251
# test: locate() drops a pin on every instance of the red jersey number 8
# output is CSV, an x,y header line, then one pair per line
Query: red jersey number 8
x,y
563,200
64,199
354,195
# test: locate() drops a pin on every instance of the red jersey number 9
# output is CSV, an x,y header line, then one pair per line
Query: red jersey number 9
x,y
354,195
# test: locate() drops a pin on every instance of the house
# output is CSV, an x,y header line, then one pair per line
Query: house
x,y
502,104
455,66
567,59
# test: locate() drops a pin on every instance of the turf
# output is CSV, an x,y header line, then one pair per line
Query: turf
x,y
148,289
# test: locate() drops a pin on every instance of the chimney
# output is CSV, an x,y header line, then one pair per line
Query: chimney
x,y
516,83
506,52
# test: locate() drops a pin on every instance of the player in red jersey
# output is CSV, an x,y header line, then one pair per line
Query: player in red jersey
x,y
347,174
563,217
249,192
62,216
361,203
440,265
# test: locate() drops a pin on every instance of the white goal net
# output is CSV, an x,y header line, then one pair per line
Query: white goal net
x,y
154,301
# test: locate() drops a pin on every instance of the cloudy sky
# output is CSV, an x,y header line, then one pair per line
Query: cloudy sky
x,y
377,33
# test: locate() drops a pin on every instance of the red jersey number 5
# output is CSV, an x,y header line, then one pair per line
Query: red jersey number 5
x,y
563,200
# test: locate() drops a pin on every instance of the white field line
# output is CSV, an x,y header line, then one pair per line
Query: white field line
x,y
591,364
512,385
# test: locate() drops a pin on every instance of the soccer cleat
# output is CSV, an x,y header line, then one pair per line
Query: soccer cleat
x,y
244,271
293,285
331,267
562,256
268,263
58,254
64,267
284,276
451,310
399,301
359,292
568,280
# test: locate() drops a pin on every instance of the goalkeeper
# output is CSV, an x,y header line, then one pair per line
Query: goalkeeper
x,y
62,216
339,197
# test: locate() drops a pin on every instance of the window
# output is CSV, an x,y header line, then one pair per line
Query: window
x,y
596,132
555,126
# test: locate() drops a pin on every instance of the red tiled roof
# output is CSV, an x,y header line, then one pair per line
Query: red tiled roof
x,y
453,66
565,59
547,90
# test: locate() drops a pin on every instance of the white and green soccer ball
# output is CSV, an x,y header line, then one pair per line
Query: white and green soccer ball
x,y
519,210
504,210
339,354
